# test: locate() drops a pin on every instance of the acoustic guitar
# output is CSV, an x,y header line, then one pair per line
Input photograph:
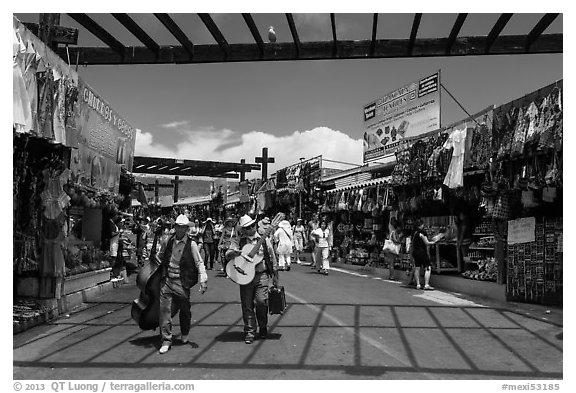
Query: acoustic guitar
x,y
242,269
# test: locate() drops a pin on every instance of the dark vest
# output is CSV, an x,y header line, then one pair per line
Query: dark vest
x,y
188,269
267,259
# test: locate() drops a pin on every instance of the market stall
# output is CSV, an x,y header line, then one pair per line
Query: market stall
x,y
71,153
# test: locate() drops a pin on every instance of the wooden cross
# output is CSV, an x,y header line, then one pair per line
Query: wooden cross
x,y
264,160
242,173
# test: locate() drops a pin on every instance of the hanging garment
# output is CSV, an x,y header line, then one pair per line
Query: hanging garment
x,y
22,115
30,65
59,116
481,146
45,98
532,116
455,175
519,134
54,199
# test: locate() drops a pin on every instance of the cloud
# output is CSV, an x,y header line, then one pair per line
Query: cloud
x,y
175,124
231,146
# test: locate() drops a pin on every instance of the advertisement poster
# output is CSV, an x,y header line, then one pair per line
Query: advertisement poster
x,y
522,230
105,141
409,111
89,167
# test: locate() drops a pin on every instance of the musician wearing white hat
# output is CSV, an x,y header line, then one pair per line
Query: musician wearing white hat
x,y
182,268
254,295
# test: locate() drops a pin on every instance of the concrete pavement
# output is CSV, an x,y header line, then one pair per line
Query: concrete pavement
x,y
346,325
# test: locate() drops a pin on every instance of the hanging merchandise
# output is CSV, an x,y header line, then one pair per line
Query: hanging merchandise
x,y
480,150
457,141
22,114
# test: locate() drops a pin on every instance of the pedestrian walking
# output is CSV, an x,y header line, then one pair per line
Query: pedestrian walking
x,y
322,249
254,295
396,236
208,234
182,268
312,226
299,232
284,240
225,239
420,245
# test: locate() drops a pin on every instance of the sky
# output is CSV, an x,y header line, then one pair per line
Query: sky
x,y
226,112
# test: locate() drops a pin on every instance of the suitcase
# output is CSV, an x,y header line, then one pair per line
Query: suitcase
x,y
276,300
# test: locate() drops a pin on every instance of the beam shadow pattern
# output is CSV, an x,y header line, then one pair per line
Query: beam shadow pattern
x,y
356,340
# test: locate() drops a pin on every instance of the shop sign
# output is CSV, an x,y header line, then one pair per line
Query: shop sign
x,y
409,111
522,230
102,129
166,201
244,192
104,141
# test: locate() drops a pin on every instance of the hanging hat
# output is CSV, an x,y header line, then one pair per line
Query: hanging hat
x,y
246,221
182,220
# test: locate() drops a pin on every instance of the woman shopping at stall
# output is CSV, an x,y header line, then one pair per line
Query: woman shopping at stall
x,y
420,245
299,231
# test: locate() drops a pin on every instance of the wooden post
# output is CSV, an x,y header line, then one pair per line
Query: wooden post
x,y
156,187
47,25
176,182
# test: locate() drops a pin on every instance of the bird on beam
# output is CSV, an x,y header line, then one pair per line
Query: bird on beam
x,y
271,34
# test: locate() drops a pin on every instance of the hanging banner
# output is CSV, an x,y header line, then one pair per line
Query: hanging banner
x,y
522,230
103,141
100,128
89,167
409,111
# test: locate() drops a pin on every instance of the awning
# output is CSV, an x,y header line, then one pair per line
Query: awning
x,y
362,184
202,200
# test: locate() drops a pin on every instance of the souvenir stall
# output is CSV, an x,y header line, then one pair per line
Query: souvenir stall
x,y
525,200
359,213
62,180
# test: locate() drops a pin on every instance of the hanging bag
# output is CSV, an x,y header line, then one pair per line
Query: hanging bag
x,y
342,204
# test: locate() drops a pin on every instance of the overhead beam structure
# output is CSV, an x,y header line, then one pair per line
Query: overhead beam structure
x,y
177,167
137,31
255,33
216,33
393,48
180,36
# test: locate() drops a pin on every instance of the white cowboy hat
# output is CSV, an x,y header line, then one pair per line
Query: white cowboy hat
x,y
246,221
182,220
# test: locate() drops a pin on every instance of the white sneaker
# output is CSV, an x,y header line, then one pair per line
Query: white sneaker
x,y
163,349
418,286
184,339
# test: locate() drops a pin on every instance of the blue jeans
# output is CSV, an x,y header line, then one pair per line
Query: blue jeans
x,y
254,299
173,298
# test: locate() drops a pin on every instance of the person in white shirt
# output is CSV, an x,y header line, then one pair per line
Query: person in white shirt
x,y
284,239
322,250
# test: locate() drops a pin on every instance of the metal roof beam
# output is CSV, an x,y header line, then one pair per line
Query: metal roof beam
x,y
497,29
254,30
542,25
173,28
99,32
414,33
215,31
374,30
333,23
137,31
294,32
455,30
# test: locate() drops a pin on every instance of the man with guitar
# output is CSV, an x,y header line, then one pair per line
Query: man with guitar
x,y
182,267
252,255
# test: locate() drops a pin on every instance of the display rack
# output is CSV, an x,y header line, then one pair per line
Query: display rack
x,y
437,263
